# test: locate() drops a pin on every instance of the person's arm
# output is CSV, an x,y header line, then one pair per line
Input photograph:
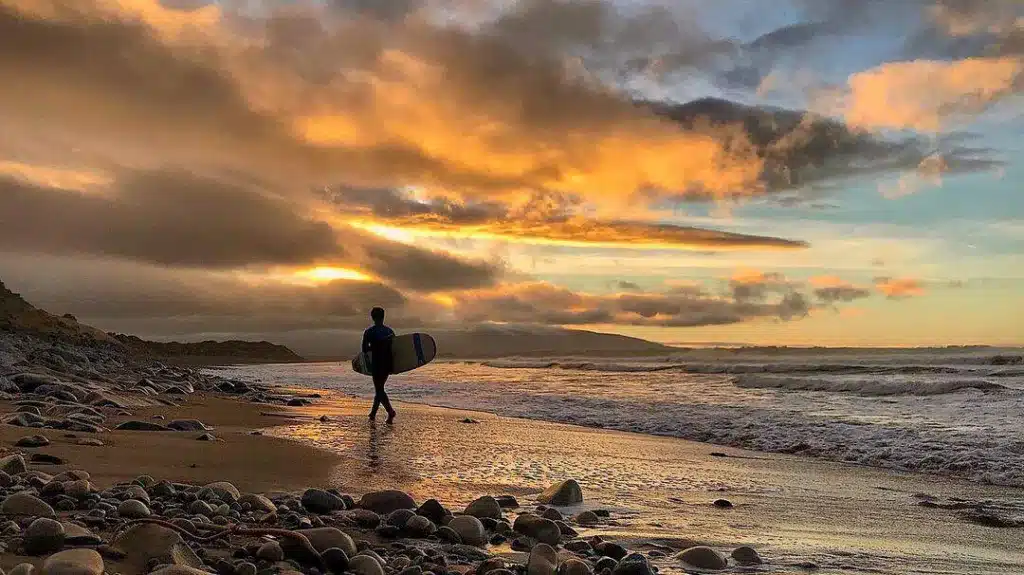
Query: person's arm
x,y
366,341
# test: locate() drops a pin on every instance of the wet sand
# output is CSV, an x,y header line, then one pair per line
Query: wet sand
x,y
254,463
842,518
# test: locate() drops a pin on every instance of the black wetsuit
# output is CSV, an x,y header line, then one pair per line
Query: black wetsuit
x,y
377,341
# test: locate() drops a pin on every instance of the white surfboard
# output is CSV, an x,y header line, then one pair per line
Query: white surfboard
x,y
408,351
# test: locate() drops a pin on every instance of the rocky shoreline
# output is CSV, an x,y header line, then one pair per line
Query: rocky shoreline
x,y
56,518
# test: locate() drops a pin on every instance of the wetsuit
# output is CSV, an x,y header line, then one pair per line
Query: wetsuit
x,y
377,341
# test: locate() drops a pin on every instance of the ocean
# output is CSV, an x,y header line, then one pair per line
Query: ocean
x,y
955,412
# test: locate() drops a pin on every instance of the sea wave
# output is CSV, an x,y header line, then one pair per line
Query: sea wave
x,y
869,387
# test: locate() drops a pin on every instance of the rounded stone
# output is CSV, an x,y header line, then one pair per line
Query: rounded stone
x,y
44,536
336,559
22,503
470,529
420,526
703,557
543,560
270,551
365,565
573,566
73,562
133,509
746,556
566,493
484,507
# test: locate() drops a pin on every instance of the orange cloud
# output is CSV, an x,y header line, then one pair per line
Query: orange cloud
x,y
582,232
926,94
898,288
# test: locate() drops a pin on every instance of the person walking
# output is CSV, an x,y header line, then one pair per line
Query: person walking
x,y
377,342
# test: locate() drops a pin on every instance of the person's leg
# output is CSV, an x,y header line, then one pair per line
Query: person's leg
x,y
378,394
385,401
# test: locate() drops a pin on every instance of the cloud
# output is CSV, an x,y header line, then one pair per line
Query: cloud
x,y
532,224
392,98
545,303
754,285
142,298
178,219
899,288
927,95
831,290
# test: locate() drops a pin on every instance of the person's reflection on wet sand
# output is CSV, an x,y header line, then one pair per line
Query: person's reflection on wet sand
x,y
378,439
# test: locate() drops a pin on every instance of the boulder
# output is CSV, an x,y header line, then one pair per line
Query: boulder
x,y
702,557
432,510
23,503
365,565
633,564
469,528
44,536
485,506
320,501
13,464
543,560
73,562
387,501
566,493
746,556
323,538
573,566
543,530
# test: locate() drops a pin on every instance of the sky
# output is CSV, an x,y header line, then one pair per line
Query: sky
x,y
766,172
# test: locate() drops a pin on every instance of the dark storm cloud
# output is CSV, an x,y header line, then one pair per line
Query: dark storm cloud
x,y
155,299
174,218
170,218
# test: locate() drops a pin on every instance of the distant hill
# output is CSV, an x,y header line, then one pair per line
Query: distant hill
x,y
479,342
211,351
17,315
20,316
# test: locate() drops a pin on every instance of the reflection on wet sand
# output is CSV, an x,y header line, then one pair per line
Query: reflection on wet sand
x,y
793,509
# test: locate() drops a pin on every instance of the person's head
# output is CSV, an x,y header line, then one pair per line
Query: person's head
x,y
377,315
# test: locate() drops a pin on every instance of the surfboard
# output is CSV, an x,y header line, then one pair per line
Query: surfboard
x,y
408,351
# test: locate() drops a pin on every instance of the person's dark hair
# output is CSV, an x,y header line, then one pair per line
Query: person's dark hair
x,y
377,314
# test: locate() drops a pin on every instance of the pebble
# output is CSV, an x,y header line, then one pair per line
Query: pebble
x,y
609,549
543,560
543,530
587,519
722,503
387,501
449,535
470,530
32,441
432,510
133,509
224,490
320,501
400,517
420,526
552,514
365,565
336,559
257,502
187,425
78,535
485,506
633,564
245,568
207,437
270,551
324,538
136,492
13,464
89,441
43,536
605,563
563,494
703,557
73,562
746,556
23,503
23,569
573,566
